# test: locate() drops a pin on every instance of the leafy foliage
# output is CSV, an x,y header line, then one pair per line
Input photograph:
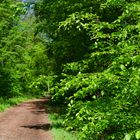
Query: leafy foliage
x,y
23,56
95,50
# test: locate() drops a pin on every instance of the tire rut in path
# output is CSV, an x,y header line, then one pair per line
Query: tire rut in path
x,y
27,121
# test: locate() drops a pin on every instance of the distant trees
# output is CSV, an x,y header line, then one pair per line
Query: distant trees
x,y
22,55
8,19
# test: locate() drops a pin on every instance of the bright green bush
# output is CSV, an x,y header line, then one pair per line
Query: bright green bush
x,y
95,49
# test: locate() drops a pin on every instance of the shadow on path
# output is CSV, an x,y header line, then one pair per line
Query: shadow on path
x,y
27,121
46,126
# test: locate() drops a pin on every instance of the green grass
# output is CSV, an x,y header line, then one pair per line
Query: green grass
x,y
61,134
58,131
6,103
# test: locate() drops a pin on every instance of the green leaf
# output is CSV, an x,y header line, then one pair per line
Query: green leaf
x,y
127,137
137,135
122,67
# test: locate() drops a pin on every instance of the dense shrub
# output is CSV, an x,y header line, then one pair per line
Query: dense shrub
x,y
96,47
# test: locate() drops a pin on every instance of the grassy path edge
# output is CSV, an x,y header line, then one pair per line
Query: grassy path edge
x,y
56,119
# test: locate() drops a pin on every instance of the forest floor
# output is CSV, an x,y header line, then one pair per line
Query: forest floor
x,y
27,121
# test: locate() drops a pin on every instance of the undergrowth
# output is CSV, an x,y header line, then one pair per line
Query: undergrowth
x,y
6,103
56,117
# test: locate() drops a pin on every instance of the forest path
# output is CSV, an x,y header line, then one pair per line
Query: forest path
x,y
27,121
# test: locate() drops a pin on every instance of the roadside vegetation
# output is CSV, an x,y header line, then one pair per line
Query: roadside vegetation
x,y
85,53
6,103
56,117
22,55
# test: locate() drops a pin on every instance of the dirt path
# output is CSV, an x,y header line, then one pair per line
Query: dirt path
x,y
27,121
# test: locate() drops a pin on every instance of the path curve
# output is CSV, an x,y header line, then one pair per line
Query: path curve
x,y
27,121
